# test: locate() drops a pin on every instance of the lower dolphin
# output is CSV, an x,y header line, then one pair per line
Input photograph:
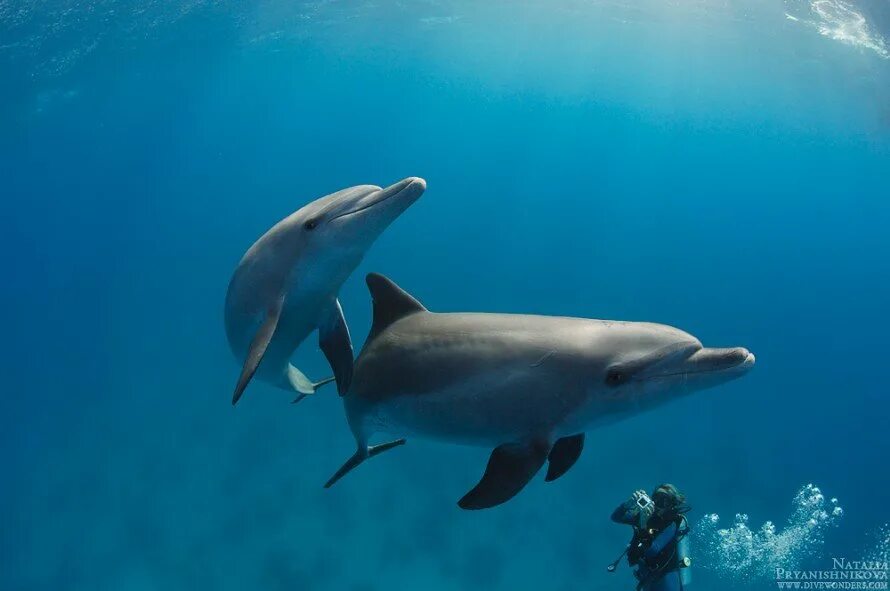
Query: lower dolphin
x,y
527,386
286,285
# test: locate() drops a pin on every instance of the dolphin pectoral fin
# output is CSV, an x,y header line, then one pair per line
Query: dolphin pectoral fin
x,y
563,456
258,347
510,467
362,454
334,340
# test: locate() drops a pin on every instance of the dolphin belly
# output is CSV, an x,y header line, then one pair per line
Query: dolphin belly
x,y
441,418
478,412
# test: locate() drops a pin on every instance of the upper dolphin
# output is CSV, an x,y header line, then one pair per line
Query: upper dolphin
x,y
286,284
526,386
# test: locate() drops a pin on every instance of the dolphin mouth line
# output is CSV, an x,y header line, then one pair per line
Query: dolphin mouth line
x,y
746,362
362,208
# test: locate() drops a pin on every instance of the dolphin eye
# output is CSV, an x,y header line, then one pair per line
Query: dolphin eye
x,y
311,224
615,377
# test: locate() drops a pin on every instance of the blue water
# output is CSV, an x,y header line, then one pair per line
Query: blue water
x,y
719,166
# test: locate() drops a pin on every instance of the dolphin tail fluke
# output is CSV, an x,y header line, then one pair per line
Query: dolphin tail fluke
x,y
510,467
297,381
313,385
362,454
321,383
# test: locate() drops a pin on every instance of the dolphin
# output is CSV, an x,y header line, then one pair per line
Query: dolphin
x,y
528,387
286,284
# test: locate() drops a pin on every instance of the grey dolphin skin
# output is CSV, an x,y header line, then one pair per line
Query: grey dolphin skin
x,y
286,285
527,386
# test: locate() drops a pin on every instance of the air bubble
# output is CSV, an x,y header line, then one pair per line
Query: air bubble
x,y
742,553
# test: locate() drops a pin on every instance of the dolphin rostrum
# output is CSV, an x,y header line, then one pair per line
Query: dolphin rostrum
x,y
527,386
286,284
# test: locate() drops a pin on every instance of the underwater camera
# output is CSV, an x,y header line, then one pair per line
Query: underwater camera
x,y
642,499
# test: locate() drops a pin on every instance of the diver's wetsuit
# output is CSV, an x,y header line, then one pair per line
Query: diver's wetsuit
x,y
657,552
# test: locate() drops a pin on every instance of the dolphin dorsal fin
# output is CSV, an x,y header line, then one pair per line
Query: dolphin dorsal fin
x,y
391,302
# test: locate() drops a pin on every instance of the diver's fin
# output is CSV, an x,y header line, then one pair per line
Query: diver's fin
x,y
333,338
362,454
391,302
563,456
510,467
258,347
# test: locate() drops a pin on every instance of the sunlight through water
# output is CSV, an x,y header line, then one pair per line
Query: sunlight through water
x,y
837,20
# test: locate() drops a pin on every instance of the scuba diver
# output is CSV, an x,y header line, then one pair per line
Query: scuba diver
x,y
658,548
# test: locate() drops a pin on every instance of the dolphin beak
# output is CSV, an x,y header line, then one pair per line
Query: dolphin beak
x,y
708,360
701,361
406,191
413,186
